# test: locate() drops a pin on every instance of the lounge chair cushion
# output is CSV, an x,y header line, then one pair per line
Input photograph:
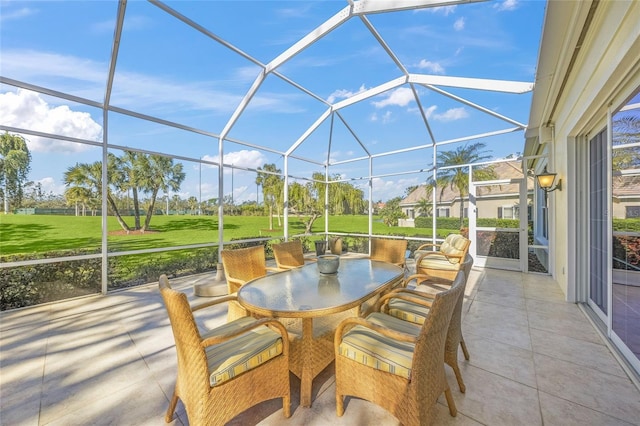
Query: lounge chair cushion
x,y
439,261
454,244
243,353
370,348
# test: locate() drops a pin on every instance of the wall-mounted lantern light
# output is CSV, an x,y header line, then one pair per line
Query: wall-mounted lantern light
x,y
546,180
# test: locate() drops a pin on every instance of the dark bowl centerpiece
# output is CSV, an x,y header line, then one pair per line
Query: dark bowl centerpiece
x,y
328,263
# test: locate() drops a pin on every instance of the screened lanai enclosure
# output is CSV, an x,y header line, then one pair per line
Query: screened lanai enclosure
x,y
146,130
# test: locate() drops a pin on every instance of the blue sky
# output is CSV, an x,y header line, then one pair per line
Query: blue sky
x,y
168,70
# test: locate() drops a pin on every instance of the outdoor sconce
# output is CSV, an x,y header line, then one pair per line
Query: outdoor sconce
x,y
546,179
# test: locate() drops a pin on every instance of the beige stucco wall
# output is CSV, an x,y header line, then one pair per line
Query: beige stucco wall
x,y
606,69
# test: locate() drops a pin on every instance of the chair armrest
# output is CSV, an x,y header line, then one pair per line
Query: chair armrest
x,y
413,296
418,277
286,268
228,298
235,284
427,245
270,322
349,323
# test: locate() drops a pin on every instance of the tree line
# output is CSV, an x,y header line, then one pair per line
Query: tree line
x,y
133,172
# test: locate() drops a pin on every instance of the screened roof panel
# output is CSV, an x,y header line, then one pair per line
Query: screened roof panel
x,y
196,64
69,51
274,103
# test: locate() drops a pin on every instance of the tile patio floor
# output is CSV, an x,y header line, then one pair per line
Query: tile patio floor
x,y
535,360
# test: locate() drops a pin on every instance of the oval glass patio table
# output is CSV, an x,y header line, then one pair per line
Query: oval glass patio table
x,y
307,294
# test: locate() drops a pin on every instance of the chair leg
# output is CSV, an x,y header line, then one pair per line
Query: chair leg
x,y
464,348
450,402
172,407
286,406
456,370
339,405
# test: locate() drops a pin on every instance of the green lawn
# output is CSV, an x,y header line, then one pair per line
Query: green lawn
x,y
33,234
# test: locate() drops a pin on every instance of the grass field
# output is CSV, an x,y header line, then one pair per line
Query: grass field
x,y
31,234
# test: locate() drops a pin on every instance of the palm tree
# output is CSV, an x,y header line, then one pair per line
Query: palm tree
x,y
89,177
457,178
78,194
424,207
128,169
158,172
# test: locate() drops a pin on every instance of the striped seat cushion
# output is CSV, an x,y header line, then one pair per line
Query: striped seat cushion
x,y
243,353
408,311
367,347
439,261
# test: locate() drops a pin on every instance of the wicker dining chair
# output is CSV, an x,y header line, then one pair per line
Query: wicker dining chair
x,y
445,261
396,364
289,254
389,250
242,265
226,370
415,305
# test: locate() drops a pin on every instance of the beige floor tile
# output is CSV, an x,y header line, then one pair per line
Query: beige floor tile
x,y
504,360
547,292
560,412
564,325
571,310
593,355
511,300
499,331
491,312
134,405
73,344
491,399
606,393
502,286
70,387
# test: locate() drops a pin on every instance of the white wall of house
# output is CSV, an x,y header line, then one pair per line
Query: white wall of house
x,y
573,96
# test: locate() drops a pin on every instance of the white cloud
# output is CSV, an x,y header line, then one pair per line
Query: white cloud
x,y
433,67
459,24
400,97
506,5
429,112
250,159
452,114
445,10
386,117
344,94
86,78
9,15
49,185
27,110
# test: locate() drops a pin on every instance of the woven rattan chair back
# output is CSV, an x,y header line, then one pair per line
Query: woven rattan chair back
x,y
389,250
288,254
207,405
430,379
411,401
242,265
193,377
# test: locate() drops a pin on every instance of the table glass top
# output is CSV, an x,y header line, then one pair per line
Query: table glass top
x,y
305,289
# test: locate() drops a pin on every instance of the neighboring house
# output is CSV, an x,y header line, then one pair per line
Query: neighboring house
x,y
626,197
494,201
